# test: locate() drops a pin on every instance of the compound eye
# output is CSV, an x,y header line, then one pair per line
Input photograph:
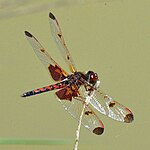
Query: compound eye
x,y
93,77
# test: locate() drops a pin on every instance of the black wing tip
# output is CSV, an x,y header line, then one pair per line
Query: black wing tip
x,y
98,130
28,34
129,118
52,16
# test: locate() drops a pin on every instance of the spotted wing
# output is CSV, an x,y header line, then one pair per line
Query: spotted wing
x,y
58,37
107,106
55,70
89,120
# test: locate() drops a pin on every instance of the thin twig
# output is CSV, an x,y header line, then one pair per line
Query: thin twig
x,y
78,129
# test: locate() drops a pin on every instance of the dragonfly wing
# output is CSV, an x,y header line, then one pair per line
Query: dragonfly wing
x,y
107,106
55,70
58,37
90,120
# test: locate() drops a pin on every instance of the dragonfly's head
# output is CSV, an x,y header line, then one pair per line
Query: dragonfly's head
x,y
91,77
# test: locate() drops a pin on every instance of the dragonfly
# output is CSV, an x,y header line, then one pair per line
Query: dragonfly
x,y
76,90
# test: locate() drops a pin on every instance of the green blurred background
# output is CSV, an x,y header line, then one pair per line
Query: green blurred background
x,y
111,37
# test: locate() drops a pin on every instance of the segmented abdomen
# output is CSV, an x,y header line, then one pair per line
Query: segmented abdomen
x,y
45,89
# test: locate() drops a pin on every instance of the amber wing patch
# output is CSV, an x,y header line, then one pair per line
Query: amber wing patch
x,y
129,118
98,130
67,93
56,73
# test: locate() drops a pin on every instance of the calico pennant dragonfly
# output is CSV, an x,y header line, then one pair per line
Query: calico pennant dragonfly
x,y
76,89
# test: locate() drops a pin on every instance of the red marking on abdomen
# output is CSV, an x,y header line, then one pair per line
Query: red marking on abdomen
x,y
42,89
48,87
55,86
37,90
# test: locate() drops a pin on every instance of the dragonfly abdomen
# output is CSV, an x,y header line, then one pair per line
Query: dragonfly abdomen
x,y
45,89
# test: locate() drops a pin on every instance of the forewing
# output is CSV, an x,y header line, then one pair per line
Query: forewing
x,y
58,37
55,70
107,106
90,120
